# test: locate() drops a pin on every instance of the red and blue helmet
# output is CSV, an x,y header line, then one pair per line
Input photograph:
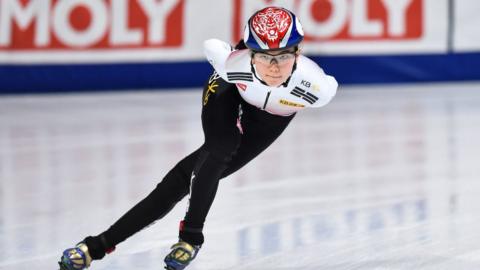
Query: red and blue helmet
x,y
272,28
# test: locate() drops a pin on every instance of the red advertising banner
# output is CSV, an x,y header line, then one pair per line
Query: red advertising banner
x,y
345,20
90,24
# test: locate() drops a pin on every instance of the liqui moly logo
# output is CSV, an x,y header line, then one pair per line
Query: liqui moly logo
x,y
49,25
344,20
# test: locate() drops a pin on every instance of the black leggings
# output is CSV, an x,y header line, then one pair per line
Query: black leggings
x,y
226,149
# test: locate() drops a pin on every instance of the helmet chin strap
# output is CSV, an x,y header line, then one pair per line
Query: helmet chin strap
x,y
257,75
254,71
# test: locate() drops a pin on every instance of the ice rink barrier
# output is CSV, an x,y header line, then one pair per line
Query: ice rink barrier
x,y
90,45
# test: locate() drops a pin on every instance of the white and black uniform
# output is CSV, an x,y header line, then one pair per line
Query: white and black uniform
x,y
308,86
241,117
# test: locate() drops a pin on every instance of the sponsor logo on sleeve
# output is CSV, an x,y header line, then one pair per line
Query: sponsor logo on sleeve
x,y
290,103
306,83
211,87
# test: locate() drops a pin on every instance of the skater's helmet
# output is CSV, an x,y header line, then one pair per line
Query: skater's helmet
x,y
272,28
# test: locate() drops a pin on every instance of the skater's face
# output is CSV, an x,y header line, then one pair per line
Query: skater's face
x,y
274,67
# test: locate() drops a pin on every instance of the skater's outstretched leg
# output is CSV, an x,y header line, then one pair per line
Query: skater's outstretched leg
x,y
206,175
158,203
173,188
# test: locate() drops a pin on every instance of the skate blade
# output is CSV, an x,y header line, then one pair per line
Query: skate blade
x,y
62,266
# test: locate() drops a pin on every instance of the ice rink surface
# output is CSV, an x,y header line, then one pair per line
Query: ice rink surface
x,y
384,177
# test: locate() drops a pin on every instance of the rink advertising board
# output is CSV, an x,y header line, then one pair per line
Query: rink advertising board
x,y
87,30
110,44
78,24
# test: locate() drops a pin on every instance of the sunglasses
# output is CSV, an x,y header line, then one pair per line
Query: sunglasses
x,y
268,59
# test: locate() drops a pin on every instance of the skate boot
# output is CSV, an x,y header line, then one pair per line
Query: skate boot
x,y
77,258
181,255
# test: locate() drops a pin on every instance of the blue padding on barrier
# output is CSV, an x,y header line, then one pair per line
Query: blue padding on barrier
x,y
98,77
19,79
402,68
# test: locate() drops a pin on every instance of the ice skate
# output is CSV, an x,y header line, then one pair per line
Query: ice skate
x,y
77,258
180,256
